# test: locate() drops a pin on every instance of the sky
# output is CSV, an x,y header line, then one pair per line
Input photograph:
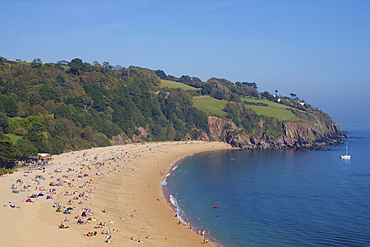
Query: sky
x,y
317,49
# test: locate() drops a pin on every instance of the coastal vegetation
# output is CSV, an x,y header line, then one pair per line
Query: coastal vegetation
x,y
72,105
175,84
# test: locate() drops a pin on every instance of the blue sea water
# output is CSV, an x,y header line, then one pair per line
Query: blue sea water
x,y
277,197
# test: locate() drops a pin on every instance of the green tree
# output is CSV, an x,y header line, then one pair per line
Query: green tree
x,y
266,94
61,110
219,95
76,66
36,63
207,87
26,148
250,84
8,105
88,133
185,79
48,93
161,74
8,153
4,123
61,79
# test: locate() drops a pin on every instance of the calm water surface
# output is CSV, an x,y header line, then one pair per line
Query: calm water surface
x,y
278,198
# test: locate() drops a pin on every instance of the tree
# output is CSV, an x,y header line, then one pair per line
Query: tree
x,y
10,106
4,123
61,110
36,109
161,74
107,67
234,97
219,95
266,94
185,79
63,62
47,93
96,64
88,133
8,153
206,88
61,79
26,148
293,95
76,66
250,84
22,109
36,63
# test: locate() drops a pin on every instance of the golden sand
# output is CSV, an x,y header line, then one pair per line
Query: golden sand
x,y
122,198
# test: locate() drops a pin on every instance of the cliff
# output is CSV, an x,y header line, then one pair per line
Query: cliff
x,y
313,134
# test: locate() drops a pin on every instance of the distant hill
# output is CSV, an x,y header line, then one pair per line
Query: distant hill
x,y
62,106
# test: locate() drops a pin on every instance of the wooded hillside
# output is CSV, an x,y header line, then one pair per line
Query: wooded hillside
x,y
56,107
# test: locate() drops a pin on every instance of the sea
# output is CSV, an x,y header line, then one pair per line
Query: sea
x,y
276,197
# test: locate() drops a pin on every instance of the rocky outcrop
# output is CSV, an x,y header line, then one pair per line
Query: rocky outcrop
x,y
311,133
121,139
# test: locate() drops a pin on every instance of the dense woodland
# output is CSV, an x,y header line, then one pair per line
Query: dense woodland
x,y
62,106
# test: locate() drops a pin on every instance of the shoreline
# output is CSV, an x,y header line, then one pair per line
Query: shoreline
x,y
121,186
174,204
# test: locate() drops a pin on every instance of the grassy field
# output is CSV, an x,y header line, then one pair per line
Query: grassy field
x,y
174,84
23,62
13,138
210,106
65,67
273,109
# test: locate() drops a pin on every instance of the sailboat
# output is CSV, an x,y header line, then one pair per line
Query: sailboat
x,y
346,156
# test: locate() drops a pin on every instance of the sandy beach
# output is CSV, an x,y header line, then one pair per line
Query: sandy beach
x,y
97,197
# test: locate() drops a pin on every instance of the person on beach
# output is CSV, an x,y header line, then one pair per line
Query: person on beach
x,y
62,226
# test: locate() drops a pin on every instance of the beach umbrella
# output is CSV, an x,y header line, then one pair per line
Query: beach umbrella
x,y
48,197
40,194
29,200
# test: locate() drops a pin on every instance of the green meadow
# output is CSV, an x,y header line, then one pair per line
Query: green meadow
x,y
276,110
174,84
212,106
14,138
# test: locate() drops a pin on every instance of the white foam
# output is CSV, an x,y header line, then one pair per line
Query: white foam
x,y
164,182
177,207
174,202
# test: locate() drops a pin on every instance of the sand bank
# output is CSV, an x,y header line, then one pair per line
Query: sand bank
x,y
113,191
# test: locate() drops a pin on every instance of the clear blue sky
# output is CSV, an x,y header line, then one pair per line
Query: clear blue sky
x,y
317,49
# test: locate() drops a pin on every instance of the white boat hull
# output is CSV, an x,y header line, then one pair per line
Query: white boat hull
x,y
345,156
